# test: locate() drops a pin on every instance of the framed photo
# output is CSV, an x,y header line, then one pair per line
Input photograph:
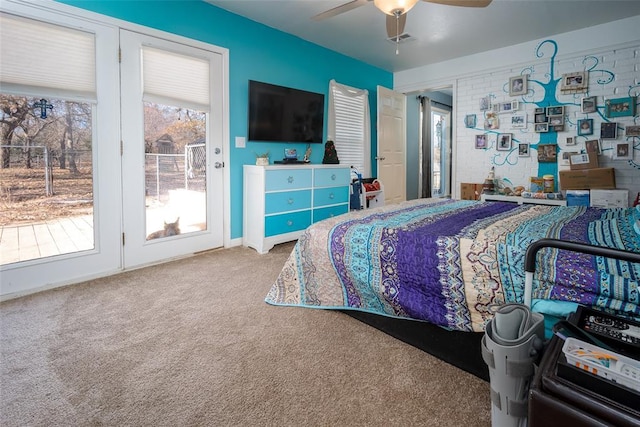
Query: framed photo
x,y
555,111
558,128
541,127
620,107
540,118
575,82
623,151
470,120
592,146
518,85
589,104
565,159
556,120
485,103
540,110
571,140
481,141
632,130
608,130
519,121
547,153
585,127
506,107
491,121
504,142
523,150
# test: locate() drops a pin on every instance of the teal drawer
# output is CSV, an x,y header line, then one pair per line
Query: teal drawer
x,y
286,223
331,177
330,196
286,201
287,179
330,212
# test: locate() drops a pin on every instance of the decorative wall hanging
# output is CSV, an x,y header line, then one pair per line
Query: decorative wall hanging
x,y
632,130
491,121
43,105
589,104
547,153
620,107
623,151
504,142
506,107
557,110
585,127
571,140
518,85
575,82
523,149
519,121
592,146
470,120
481,141
541,127
608,130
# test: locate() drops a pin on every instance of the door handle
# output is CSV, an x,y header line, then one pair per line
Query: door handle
x,y
218,165
380,158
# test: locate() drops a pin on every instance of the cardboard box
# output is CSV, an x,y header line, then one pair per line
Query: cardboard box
x,y
577,197
604,178
609,198
583,161
470,191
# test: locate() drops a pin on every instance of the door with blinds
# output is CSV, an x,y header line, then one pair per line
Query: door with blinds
x,y
172,139
60,214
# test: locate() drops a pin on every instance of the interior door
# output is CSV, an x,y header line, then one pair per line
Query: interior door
x,y
172,139
392,144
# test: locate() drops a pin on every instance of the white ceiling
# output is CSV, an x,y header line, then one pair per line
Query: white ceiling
x,y
438,32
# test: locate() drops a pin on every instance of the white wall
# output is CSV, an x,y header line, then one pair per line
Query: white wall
x,y
609,50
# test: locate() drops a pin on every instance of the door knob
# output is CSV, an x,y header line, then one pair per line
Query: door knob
x,y
218,165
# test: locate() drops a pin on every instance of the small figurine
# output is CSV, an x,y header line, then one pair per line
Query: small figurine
x,y
330,154
307,154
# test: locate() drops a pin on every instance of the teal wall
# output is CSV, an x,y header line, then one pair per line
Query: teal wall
x,y
256,52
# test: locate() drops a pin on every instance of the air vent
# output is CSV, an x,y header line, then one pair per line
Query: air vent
x,y
402,38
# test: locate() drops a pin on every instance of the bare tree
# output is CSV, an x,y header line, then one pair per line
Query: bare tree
x,y
14,111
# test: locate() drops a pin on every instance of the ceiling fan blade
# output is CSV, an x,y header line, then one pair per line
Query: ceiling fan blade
x,y
395,28
462,3
339,9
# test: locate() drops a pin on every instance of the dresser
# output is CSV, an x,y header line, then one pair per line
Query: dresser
x,y
280,201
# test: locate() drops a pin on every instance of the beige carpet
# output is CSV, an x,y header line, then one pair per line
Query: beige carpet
x,y
192,342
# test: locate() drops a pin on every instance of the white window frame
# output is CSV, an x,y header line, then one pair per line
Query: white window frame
x,y
349,126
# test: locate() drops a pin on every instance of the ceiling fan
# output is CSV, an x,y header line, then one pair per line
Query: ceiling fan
x,y
396,11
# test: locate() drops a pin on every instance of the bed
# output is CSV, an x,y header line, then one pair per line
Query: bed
x,y
450,262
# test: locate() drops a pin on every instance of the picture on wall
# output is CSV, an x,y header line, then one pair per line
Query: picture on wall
x,y
565,159
623,151
555,111
504,142
589,104
470,120
571,140
620,107
574,82
518,85
547,153
481,141
519,121
506,107
632,130
608,130
491,121
585,127
485,103
523,149
541,127
592,146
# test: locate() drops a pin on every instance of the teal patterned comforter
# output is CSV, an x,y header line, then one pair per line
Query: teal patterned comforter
x,y
449,262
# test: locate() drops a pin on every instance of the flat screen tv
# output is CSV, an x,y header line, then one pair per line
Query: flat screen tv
x,y
283,114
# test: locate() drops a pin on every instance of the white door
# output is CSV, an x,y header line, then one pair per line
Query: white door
x,y
172,140
392,144
75,235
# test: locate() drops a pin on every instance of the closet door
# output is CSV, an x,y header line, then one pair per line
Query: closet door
x,y
172,140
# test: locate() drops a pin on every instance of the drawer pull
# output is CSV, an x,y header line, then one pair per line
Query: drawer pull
x,y
289,223
290,201
290,180
333,177
331,196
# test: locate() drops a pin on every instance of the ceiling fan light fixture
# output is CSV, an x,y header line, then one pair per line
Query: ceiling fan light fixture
x,y
393,7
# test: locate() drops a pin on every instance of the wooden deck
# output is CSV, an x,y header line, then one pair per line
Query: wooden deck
x,y
44,239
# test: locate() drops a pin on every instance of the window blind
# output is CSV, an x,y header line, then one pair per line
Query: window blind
x,y
42,59
174,79
349,125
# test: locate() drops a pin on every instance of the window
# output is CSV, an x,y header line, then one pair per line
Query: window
x,y
349,126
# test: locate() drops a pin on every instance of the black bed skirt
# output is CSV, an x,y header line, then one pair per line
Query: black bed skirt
x,y
460,349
